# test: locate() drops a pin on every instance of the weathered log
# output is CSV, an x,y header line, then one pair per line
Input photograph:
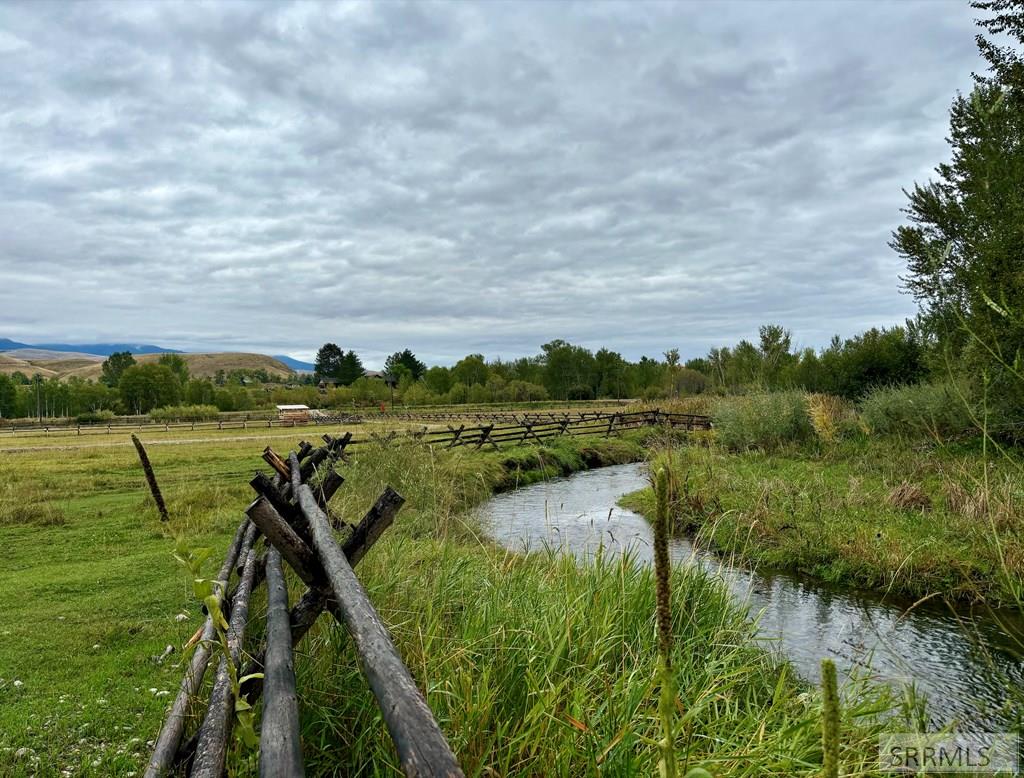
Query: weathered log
x,y
421,746
312,603
286,540
162,759
280,751
212,746
154,488
314,460
271,458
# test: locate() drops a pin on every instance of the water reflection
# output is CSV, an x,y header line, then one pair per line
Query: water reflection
x,y
961,663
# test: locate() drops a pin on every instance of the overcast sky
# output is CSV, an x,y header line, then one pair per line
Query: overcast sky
x,y
464,177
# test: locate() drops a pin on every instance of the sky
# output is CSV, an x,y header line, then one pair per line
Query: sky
x,y
464,177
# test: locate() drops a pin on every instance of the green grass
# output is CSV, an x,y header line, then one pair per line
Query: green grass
x,y
533,665
833,512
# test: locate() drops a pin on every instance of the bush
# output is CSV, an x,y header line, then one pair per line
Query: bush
x,y
94,417
935,410
185,413
762,420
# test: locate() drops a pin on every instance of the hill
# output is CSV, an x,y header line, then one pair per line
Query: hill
x,y
296,364
104,349
199,365
10,365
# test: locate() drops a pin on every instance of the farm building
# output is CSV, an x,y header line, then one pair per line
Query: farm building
x,y
293,413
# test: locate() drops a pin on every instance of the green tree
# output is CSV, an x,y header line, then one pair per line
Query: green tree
x,y
408,360
8,397
149,386
470,370
351,369
114,366
177,363
438,380
328,361
964,244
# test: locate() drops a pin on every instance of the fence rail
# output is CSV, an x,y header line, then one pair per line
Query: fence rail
x,y
291,515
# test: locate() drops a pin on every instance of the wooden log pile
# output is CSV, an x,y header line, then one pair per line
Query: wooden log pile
x,y
289,523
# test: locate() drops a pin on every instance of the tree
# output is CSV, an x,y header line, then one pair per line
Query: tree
x,y
408,360
328,361
8,397
114,366
963,244
470,370
438,379
568,371
149,386
177,363
351,369
774,346
337,365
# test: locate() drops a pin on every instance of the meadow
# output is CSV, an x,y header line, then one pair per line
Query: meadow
x,y
533,665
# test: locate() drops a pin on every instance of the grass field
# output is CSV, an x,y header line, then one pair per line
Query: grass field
x,y
917,519
534,666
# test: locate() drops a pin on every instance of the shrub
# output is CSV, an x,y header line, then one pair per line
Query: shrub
x,y
936,410
761,420
94,417
185,413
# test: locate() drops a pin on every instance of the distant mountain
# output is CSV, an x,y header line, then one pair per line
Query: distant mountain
x,y
7,345
106,349
295,364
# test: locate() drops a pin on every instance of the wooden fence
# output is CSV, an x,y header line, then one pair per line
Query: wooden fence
x,y
291,515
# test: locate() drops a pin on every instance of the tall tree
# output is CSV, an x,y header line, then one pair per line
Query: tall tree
x,y
964,243
149,386
177,364
408,360
8,397
328,361
350,370
114,366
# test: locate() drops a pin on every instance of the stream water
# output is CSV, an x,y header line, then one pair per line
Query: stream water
x,y
964,664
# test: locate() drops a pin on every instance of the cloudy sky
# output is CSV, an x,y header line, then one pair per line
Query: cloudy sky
x,y
462,177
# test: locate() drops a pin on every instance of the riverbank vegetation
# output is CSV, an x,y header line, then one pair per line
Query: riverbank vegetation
x,y
896,493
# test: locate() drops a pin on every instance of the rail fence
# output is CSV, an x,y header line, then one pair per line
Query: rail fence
x,y
297,527
292,515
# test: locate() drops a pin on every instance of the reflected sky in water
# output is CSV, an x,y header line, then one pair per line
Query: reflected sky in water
x,y
964,672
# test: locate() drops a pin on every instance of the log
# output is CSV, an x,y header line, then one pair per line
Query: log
x,y
154,488
286,540
212,746
280,751
421,746
312,603
163,757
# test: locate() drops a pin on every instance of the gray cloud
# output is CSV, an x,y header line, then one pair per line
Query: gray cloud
x,y
463,177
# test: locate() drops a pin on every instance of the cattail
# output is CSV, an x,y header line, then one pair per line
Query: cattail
x,y
662,492
666,706
830,720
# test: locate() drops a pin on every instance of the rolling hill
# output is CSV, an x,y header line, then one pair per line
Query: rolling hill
x,y
199,365
90,367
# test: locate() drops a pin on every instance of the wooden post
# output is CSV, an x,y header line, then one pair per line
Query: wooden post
x,y
421,746
162,760
151,479
280,752
456,434
215,730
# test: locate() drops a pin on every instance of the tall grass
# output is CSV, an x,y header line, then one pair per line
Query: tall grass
x,y
539,666
934,410
767,421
